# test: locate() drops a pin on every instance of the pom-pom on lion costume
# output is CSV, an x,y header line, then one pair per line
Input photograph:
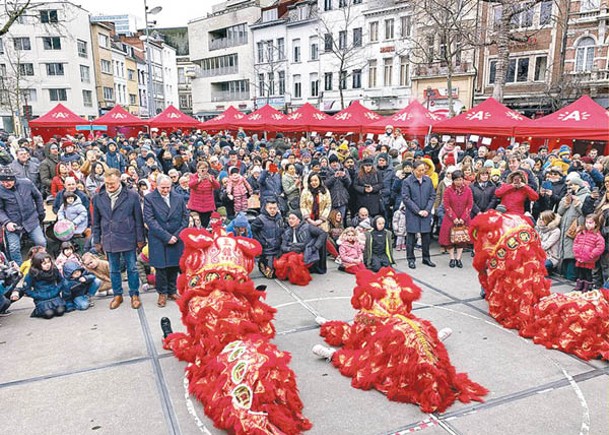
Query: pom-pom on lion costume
x,y
243,380
511,269
390,349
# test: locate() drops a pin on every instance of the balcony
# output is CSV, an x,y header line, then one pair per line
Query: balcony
x,y
598,76
219,96
218,44
441,69
218,71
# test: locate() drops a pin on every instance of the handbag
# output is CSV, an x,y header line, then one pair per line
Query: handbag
x,y
572,230
459,235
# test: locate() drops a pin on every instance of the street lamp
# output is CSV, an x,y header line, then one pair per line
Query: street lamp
x,y
151,102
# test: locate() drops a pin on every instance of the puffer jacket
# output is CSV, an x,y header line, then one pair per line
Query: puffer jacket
x,y
116,160
550,238
74,287
588,246
48,168
268,231
29,170
22,205
339,188
351,253
76,213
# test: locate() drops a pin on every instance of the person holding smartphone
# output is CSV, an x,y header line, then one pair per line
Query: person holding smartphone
x,y
515,192
202,185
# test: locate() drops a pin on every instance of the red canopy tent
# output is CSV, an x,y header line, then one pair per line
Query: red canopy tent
x,y
412,120
265,118
355,118
487,118
119,120
582,119
59,121
172,119
305,118
229,119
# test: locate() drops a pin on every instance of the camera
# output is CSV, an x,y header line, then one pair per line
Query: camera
x,y
18,228
9,275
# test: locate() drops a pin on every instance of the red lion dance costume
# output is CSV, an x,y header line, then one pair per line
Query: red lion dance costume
x,y
390,349
243,380
510,264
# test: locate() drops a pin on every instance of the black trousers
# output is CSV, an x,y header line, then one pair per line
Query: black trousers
x,y
204,217
166,280
410,242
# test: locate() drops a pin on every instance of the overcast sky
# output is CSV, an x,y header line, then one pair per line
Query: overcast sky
x,y
174,13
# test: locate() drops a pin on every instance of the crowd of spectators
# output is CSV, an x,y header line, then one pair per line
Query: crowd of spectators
x,y
357,202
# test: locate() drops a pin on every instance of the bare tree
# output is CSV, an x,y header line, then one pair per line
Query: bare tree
x,y
12,11
445,31
271,61
504,32
345,50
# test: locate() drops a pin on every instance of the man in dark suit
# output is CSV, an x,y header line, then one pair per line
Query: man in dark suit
x,y
118,229
166,216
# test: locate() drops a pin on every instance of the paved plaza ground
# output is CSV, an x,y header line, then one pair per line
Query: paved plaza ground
x,y
105,372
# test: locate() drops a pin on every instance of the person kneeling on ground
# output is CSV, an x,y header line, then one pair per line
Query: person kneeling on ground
x,y
304,238
379,246
101,269
351,252
44,283
78,286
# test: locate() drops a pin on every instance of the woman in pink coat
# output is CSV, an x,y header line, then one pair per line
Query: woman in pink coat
x,y
202,186
588,246
458,202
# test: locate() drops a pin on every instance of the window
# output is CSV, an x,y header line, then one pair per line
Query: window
x,y
85,74
29,95
2,70
342,40
314,84
82,48
1,47
545,13
261,85
357,37
260,51
374,31
22,43
524,19
296,48
271,77
58,94
108,93
51,43
372,73
327,5
328,42
589,5
389,28
328,81
103,40
220,65
54,69
314,48
280,48
357,78
297,87
343,3
131,75
87,98
492,75
133,100
26,69
342,80
281,82
357,2
430,47
541,65
388,71
518,70
584,55
106,66
228,37
443,52
404,71
406,27
49,16
497,12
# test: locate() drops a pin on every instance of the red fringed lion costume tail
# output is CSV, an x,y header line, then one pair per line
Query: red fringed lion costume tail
x,y
511,267
243,381
291,266
393,351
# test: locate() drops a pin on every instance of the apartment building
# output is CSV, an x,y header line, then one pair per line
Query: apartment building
x,y
45,59
221,47
101,37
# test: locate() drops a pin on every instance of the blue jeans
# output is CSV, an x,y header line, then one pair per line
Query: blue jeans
x,y
95,285
115,272
81,303
13,241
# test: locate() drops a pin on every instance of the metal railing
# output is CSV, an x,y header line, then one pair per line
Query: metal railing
x,y
229,96
218,44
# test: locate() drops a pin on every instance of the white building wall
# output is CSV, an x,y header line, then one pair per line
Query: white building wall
x,y
120,78
73,26
170,76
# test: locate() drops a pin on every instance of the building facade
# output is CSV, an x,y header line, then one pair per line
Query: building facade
x,y
101,37
45,59
123,24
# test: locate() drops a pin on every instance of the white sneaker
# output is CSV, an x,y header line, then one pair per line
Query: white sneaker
x,y
444,333
145,288
323,351
102,294
337,260
320,320
110,292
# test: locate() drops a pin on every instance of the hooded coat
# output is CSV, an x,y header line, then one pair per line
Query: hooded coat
x,y
76,213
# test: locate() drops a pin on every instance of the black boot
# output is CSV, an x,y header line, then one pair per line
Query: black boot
x,y
166,326
579,285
